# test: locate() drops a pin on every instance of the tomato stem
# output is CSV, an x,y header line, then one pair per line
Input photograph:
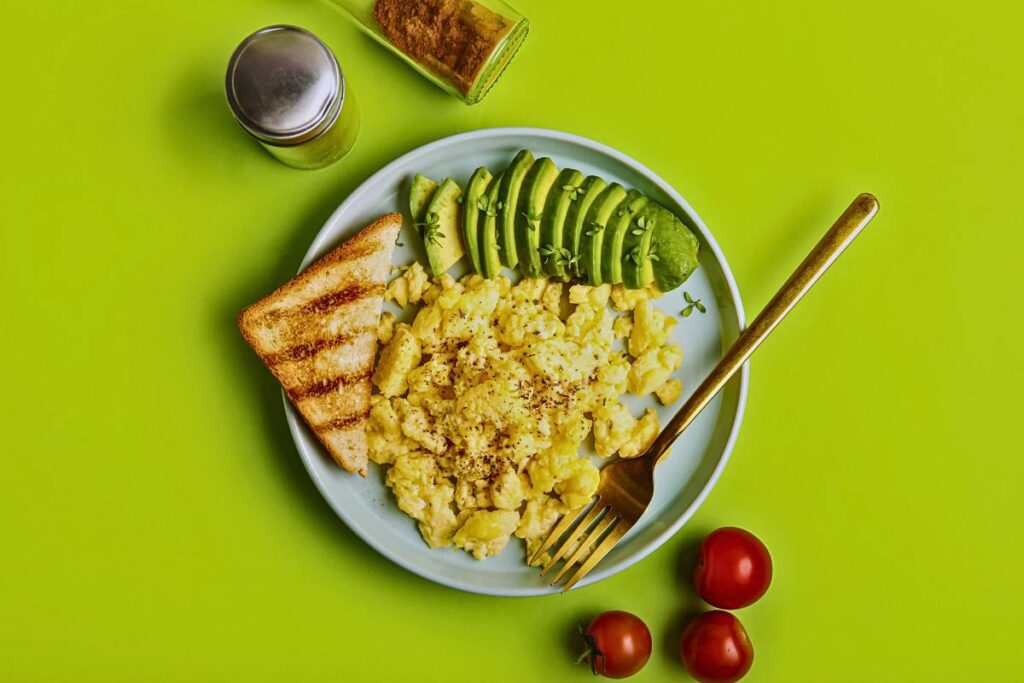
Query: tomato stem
x,y
591,653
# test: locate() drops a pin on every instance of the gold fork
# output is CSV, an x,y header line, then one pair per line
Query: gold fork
x,y
627,486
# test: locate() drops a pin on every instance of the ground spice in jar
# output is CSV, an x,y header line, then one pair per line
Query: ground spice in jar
x,y
452,38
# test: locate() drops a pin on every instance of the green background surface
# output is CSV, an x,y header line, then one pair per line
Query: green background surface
x,y
155,520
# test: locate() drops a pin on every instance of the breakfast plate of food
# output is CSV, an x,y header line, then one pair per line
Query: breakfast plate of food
x,y
480,326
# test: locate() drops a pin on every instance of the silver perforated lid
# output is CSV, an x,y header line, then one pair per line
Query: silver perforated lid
x,y
284,85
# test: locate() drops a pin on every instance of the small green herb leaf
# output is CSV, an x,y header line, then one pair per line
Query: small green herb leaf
x,y
694,303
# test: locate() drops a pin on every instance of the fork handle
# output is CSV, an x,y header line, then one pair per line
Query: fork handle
x,y
839,236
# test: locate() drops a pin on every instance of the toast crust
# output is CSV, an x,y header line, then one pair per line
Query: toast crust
x,y
317,335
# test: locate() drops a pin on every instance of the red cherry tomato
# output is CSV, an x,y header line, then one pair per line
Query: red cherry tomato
x,y
715,648
734,569
618,644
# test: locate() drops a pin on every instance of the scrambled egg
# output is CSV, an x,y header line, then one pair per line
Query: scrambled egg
x,y
482,403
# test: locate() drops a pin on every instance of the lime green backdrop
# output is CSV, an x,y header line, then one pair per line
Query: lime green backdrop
x,y
155,521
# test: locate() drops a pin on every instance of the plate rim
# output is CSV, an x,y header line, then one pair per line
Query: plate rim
x,y
295,423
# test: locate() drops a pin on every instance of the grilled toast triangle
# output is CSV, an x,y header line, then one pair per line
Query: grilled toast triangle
x,y
318,335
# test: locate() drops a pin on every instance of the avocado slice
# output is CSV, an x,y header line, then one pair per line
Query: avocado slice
x,y
442,236
594,228
508,199
471,212
555,254
590,188
490,252
420,193
636,248
620,224
532,197
673,251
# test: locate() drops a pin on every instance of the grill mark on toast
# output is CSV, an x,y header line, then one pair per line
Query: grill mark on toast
x,y
328,386
325,303
310,349
346,295
341,423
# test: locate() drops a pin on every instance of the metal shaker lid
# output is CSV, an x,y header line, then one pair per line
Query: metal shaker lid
x,y
284,85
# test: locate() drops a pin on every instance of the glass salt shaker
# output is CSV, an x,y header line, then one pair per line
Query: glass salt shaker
x,y
462,46
286,89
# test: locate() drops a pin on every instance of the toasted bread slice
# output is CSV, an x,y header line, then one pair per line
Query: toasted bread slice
x,y
317,334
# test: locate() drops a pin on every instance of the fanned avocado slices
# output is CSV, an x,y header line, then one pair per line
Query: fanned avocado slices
x,y
619,225
556,253
532,198
594,227
508,199
471,208
549,223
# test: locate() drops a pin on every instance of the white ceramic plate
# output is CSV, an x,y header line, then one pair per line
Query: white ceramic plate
x,y
682,480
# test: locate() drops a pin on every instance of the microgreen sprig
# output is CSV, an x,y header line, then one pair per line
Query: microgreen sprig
x,y
532,219
643,225
559,256
693,303
431,228
489,208
624,209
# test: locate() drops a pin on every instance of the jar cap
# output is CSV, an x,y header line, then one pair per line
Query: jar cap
x,y
284,85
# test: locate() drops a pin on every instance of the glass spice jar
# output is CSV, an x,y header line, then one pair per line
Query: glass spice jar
x,y
286,89
462,46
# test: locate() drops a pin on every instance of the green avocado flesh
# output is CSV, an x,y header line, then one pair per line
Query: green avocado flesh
x,y
471,213
637,273
676,249
442,236
555,254
508,198
591,187
543,222
532,197
420,193
621,223
490,254
594,227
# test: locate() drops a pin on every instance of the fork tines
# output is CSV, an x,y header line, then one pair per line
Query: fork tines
x,y
603,525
